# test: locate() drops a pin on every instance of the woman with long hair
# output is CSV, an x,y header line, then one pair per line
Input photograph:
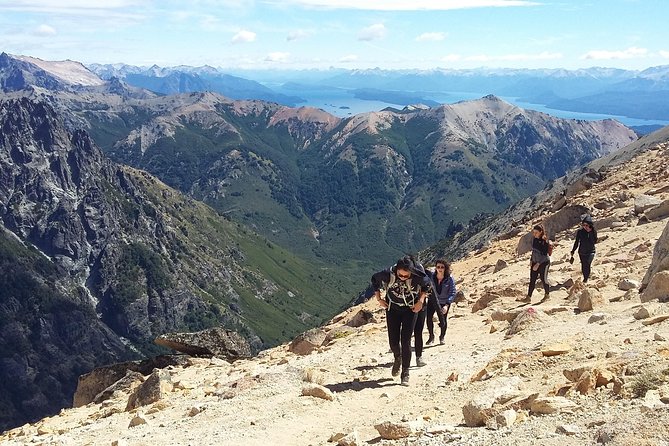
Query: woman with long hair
x,y
586,238
406,290
539,262
443,288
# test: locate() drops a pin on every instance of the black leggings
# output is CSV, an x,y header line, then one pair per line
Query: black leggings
x,y
541,273
434,307
401,322
586,263
418,332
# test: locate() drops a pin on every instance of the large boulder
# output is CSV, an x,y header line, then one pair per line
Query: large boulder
x,y
389,430
658,288
156,387
642,203
660,260
658,212
590,299
97,381
529,317
307,342
362,317
500,391
219,342
565,218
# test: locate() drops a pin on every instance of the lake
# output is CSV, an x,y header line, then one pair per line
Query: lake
x,y
341,102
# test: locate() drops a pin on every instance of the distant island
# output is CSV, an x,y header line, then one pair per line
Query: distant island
x,y
392,97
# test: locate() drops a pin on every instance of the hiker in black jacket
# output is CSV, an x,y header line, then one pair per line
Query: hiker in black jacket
x,y
539,262
406,290
586,238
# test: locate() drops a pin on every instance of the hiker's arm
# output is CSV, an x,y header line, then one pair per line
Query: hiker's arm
x,y
378,280
573,250
451,291
421,301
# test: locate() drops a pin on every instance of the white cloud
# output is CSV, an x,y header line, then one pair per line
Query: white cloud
x,y
244,36
664,54
630,53
373,32
277,56
348,58
431,37
515,57
451,58
297,35
407,5
45,31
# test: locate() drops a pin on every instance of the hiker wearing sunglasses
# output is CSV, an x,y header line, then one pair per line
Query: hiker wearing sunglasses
x,y
406,290
586,238
443,288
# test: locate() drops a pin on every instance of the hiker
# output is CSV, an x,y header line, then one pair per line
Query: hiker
x,y
406,291
586,238
539,262
443,295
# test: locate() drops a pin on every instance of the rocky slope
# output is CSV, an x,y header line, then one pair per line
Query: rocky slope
x,y
588,366
98,259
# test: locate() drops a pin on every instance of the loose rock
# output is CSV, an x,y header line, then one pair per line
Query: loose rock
x,y
389,430
307,342
590,299
552,404
317,391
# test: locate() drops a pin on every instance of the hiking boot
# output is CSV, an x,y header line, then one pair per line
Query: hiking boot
x,y
420,362
441,341
525,300
396,366
405,378
546,297
430,340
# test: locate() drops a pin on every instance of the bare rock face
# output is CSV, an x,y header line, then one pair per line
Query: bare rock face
x,y
307,342
218,342
660,260
155,388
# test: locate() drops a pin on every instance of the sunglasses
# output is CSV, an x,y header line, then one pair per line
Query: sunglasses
x,y
403,276
441,267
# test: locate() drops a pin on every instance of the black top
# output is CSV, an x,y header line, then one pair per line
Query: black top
x,y
400,292
585,242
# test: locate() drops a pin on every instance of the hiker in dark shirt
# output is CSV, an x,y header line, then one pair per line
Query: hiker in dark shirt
x,y
443,295
586,238
539,262
406,290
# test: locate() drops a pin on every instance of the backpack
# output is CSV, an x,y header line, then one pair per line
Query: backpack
x,y
418,269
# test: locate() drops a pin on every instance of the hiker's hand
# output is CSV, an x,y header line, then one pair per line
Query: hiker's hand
x,y
535,267
417,306
445,308
571,260
382,302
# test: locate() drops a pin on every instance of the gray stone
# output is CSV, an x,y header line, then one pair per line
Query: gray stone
x,y
590,299
659,212
217,342
361,318
644,202
137,420
307,342
317,391
597,317
627,284
389,430
658,288
500,265
498,391
156,387
644,312
568,429
660,261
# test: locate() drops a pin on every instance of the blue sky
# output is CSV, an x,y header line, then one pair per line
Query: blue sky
x,y
292,34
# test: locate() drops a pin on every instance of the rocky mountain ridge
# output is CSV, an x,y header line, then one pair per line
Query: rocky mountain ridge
x,y
99,259
587,366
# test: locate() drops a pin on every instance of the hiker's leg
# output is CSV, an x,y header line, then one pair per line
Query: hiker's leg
x,y
533,280
429,316
445,326
407,321
543,270
586,262
418,332
394,322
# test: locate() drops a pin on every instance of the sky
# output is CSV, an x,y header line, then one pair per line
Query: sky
x,y
298,34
